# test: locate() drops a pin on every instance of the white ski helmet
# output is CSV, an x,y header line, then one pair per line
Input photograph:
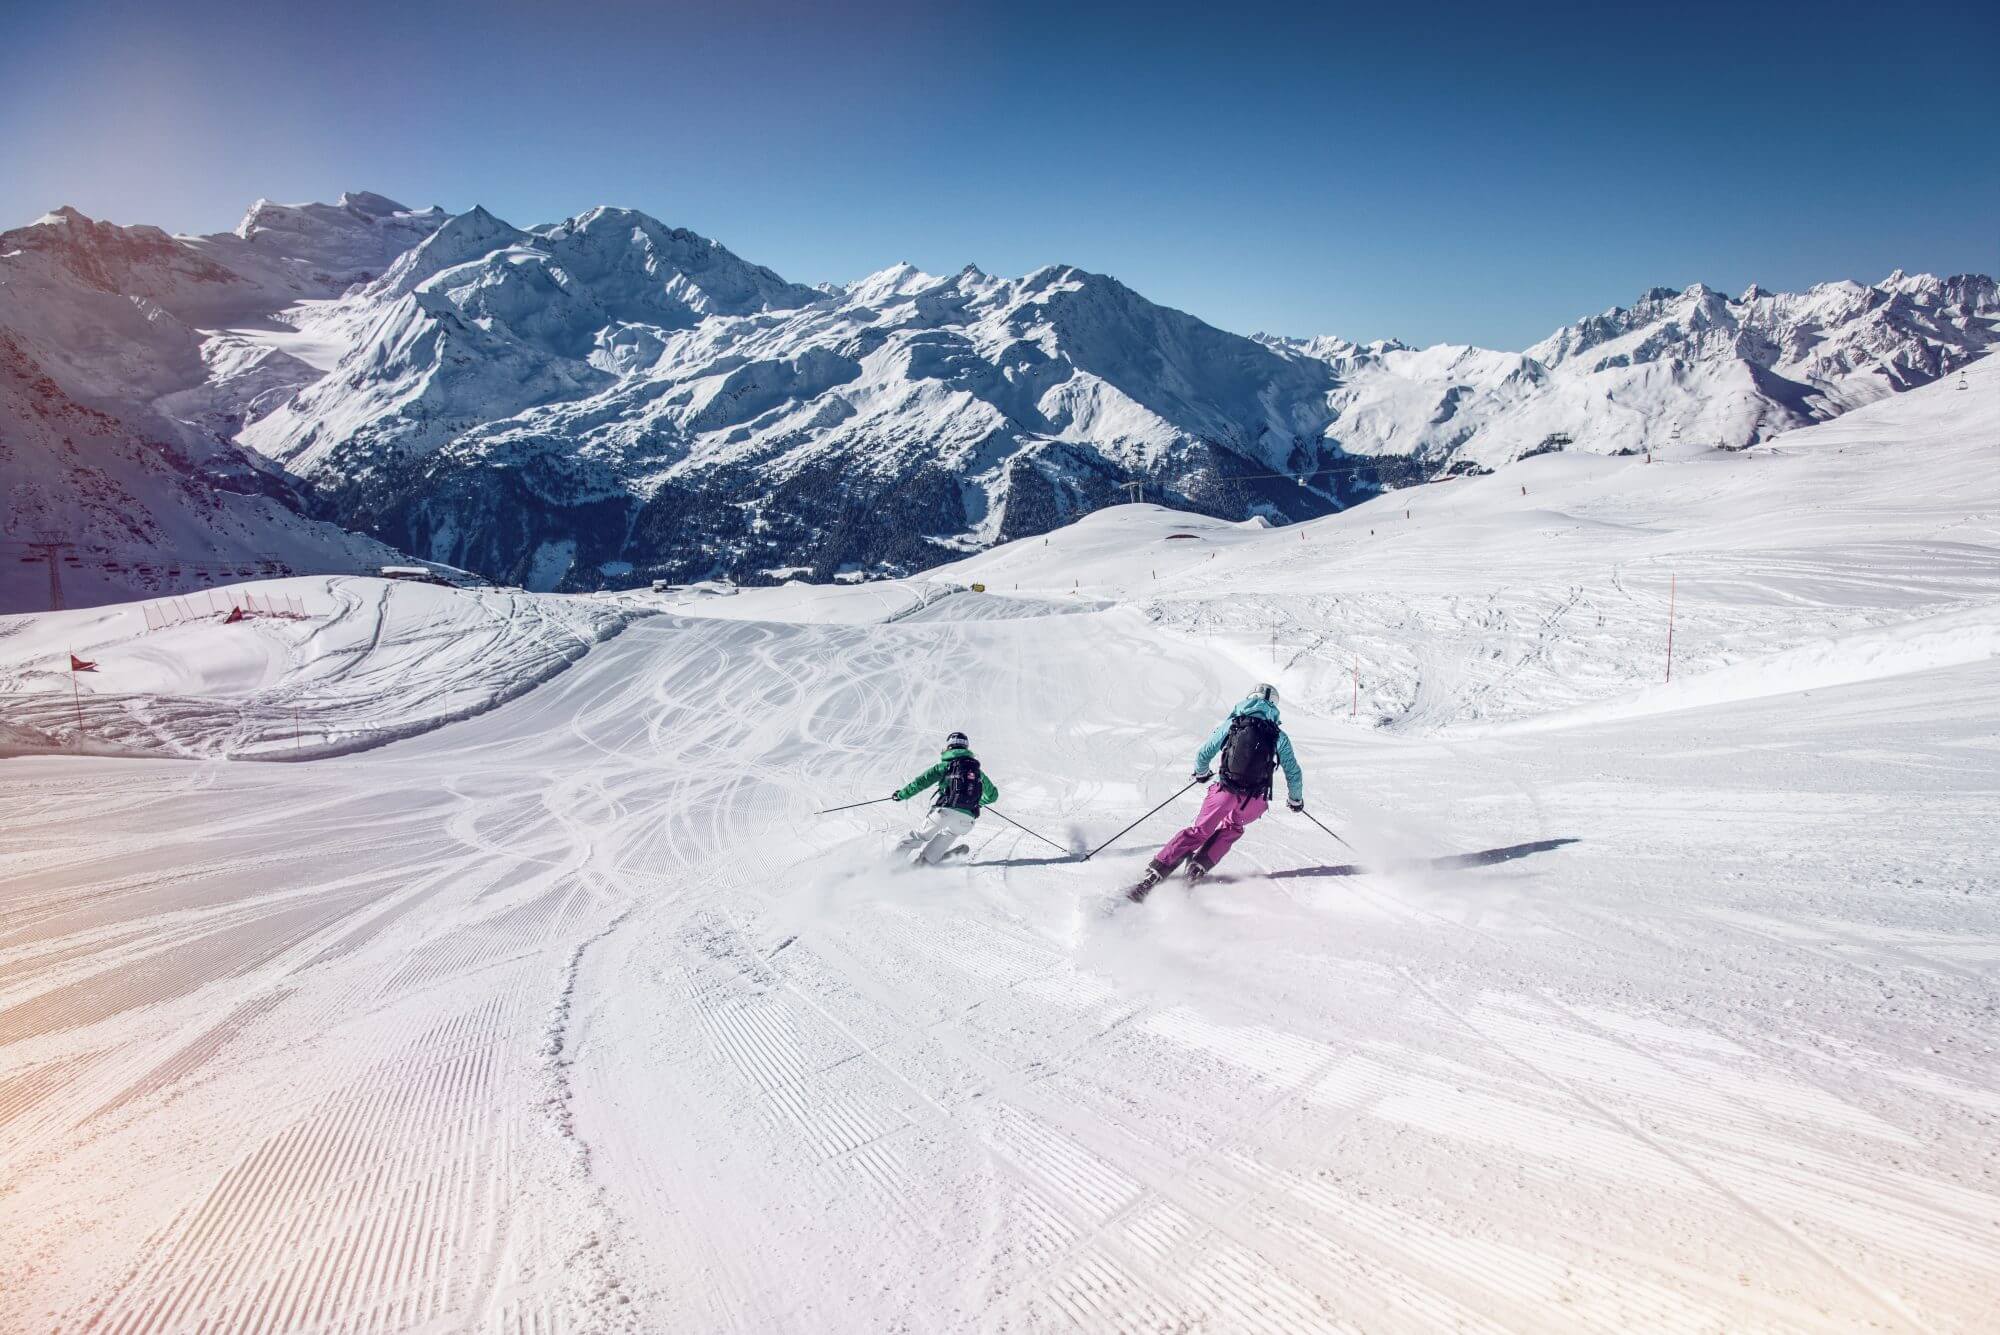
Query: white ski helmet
x,y
1266,692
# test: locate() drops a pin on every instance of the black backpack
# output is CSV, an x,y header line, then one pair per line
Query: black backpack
x,y
960,786
1249,754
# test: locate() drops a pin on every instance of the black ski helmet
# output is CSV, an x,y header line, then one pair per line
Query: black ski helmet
x,y
957,741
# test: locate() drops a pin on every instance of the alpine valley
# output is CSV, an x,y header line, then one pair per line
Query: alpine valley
x,y
606,400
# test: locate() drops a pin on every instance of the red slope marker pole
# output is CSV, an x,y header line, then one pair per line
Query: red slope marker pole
x,y
76,696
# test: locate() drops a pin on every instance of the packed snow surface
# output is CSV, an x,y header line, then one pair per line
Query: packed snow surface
x,y
1623,1004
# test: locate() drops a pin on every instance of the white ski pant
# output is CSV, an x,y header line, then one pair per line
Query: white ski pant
x,y
940,834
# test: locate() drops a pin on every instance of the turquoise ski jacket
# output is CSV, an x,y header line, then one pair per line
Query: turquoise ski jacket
x,y
1295,778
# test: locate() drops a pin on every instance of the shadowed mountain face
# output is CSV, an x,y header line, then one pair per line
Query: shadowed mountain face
x,y
125,375
608,399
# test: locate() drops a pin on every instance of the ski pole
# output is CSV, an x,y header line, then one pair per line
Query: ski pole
x,y
1017,825
851,805
1134,825
1336,838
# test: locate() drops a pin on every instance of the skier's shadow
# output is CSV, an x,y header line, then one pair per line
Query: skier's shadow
x,y
1029,862
1456,862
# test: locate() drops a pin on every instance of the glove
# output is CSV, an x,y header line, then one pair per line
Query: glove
x,y
1203,775
1296,804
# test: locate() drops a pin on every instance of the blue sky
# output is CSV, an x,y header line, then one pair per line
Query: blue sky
x,y
1428,172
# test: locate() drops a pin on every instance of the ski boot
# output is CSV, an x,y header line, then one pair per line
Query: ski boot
x,y
1154,875
1197,872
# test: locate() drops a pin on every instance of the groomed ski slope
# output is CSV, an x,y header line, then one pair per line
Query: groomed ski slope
x,y
1635,1006
318,666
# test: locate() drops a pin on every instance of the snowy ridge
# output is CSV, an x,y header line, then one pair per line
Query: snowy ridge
x,y
120,400
1692,366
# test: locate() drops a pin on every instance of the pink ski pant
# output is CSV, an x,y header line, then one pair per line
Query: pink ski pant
x,y
1215,831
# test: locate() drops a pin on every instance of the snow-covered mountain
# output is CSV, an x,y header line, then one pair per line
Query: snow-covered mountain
x,y
122,388
570,403
608,398
1693,366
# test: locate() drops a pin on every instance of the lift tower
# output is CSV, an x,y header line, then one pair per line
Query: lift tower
x,y
51,550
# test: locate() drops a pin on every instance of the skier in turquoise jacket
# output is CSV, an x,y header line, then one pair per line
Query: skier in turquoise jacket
x,y
1251,746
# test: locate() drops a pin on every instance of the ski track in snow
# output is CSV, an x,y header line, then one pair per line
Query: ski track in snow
x,y
572,1015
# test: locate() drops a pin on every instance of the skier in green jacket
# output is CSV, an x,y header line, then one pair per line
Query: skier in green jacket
x,y
962,788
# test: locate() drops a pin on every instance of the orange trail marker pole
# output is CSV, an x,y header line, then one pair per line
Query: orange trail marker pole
x,y
1673,582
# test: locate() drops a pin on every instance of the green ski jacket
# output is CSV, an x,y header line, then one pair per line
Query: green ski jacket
x,y
988,794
